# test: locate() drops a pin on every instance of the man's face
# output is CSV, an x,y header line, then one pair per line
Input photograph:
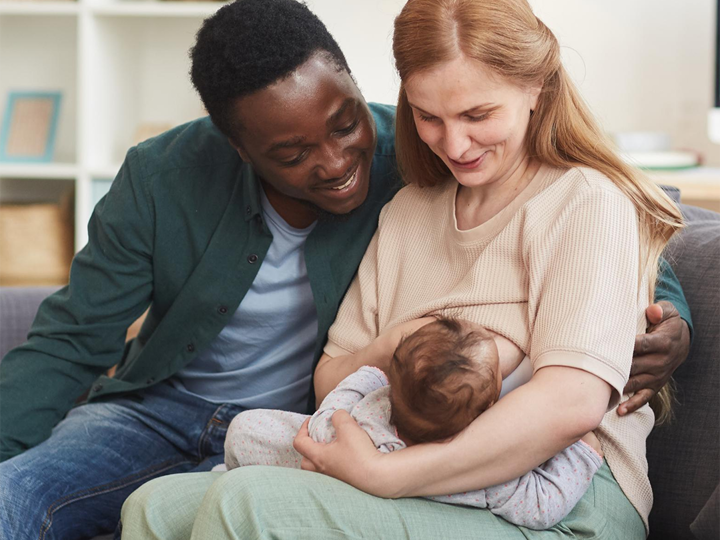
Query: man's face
x,y
310,138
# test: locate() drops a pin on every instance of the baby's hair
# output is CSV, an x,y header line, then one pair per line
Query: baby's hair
x,y
440,380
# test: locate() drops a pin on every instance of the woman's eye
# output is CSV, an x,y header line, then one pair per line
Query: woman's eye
x,y
479,118
426,118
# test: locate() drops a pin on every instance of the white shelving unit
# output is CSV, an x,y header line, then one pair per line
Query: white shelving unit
x,y
118,64
699,186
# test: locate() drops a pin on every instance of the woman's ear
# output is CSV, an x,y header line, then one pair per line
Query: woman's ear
x,y
534,96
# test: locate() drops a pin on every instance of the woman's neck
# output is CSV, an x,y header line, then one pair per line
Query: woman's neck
x,y
476,205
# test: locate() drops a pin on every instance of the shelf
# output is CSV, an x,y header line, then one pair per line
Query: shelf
x,y
38,52
700,183
44,171
120,65
156,9
108,172
116,9
141,62
39,8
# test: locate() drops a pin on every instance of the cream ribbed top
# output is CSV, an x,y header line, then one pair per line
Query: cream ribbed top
x,y
556,272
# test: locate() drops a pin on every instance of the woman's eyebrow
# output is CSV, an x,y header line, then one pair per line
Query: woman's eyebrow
x,y
476,108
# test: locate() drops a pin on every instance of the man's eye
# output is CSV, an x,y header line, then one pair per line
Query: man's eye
x,y
295,160
349,129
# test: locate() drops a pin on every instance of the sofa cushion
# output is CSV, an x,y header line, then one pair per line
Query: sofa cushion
x,y
683,456
18,306
707,525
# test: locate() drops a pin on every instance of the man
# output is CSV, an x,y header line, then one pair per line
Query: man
x,y
226,230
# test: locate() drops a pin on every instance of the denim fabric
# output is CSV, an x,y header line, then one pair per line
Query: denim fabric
x,y
73,485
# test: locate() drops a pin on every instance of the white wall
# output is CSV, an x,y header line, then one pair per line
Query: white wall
x,y
363,29
641,64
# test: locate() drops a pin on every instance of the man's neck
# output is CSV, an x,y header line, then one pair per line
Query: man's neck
x,y
295,213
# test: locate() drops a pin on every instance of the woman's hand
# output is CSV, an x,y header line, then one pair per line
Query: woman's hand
x,y
658,353
351,457
553,410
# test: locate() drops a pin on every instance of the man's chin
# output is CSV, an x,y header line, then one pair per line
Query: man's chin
x,y
329,217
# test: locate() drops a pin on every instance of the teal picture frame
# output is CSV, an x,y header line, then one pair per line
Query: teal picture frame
x,y
12,128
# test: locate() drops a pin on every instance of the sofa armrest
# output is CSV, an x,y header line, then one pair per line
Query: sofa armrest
x,y
18,306
705,526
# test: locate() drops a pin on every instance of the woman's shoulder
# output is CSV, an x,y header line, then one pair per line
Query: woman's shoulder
x,y
576,191
413,202
414,194
576,185
586,179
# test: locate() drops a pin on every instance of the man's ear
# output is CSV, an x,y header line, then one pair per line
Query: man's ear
x,y
240,150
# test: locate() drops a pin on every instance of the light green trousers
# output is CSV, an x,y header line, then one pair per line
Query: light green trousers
x,y
277,503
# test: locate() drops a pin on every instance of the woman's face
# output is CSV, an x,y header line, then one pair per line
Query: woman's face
x,y
472,118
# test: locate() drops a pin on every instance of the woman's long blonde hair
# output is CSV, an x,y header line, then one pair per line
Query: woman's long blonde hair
x,y
506,36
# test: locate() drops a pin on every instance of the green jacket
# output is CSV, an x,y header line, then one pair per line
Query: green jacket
x,y
180,231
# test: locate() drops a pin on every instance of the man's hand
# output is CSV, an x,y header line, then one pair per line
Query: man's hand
x,y
658,353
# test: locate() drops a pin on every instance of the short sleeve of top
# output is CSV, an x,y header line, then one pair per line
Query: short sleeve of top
x,y
584,286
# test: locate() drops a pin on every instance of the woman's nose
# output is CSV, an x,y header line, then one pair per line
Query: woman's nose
x,y
457,141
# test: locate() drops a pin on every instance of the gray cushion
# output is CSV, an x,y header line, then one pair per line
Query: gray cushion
x,y
18,306
707,524
683,456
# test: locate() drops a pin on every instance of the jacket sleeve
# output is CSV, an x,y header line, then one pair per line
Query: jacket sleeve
x,y
668,288
79,332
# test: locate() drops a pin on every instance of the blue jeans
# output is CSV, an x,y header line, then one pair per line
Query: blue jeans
x,y
73,485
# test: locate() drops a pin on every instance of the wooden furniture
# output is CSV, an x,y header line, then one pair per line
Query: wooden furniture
x,y
699,186
119,65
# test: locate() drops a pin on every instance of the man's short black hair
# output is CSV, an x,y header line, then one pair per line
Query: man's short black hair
x,y
250,44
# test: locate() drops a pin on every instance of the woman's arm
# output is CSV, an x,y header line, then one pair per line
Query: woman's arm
x,y
345,396
567,402
331,370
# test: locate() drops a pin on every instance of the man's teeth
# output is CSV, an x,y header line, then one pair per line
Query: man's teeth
x,y
346,184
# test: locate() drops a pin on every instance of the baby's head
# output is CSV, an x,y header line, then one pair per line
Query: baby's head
x,y
442,377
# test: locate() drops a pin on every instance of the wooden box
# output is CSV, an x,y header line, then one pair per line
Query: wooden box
x,y
36,243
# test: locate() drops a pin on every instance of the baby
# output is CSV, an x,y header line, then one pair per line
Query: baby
x,y
441,376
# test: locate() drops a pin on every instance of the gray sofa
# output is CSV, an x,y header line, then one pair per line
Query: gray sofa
x,y
683,456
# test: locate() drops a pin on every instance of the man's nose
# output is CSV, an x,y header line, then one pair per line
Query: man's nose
x,y
333,161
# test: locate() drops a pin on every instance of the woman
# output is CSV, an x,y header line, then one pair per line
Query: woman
x,y
513,181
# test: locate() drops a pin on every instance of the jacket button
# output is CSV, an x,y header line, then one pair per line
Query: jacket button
x,y
190,347
248,210
97,388
150,381
252,259
222,310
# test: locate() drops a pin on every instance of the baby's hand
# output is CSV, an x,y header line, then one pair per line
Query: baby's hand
x,y
591,440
